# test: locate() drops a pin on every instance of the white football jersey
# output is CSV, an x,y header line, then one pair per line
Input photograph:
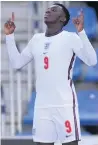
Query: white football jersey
x,y
54,60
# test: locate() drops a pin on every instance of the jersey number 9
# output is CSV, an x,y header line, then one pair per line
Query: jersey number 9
x,y
46,62
68,126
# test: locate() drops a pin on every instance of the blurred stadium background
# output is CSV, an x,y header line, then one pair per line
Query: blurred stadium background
x,y
18,87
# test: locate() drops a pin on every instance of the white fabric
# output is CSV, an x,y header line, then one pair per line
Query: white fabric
x,y
52,84
49,125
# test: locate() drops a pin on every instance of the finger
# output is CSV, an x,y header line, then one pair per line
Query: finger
x,y
13,17
9,22
74,20
6,24
81,11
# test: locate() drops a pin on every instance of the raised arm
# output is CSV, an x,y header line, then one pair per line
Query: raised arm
x,y
18,60
81,44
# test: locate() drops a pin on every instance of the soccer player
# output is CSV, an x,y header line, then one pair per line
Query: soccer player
x,y
56,108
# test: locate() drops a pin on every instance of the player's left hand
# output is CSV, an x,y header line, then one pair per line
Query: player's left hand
x,y
79,21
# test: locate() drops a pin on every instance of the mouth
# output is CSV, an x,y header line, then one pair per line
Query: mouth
x,y
47,15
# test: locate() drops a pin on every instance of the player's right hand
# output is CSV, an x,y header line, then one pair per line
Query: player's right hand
x,y
9,26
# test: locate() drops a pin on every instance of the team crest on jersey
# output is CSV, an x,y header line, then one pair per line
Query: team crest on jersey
x,y
47,45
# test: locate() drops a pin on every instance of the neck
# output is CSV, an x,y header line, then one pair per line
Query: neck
x,y
53,30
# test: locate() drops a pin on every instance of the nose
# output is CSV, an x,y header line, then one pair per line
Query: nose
x,y
48,10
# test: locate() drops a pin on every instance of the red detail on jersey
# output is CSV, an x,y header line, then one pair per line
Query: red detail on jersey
x,y
70,66
68,126
46,61
74,113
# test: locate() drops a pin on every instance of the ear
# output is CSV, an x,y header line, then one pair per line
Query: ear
x,y
62,19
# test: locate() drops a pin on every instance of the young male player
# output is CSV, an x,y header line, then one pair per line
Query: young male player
x,y
56,108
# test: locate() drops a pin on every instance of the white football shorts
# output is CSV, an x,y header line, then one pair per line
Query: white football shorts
x,y
61,124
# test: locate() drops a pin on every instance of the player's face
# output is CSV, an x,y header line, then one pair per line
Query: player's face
x,y
53,14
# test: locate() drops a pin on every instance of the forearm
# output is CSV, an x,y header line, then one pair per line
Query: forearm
x,y
17,59
87,51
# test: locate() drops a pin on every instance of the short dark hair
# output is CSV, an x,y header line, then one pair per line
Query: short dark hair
x,y
65,11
